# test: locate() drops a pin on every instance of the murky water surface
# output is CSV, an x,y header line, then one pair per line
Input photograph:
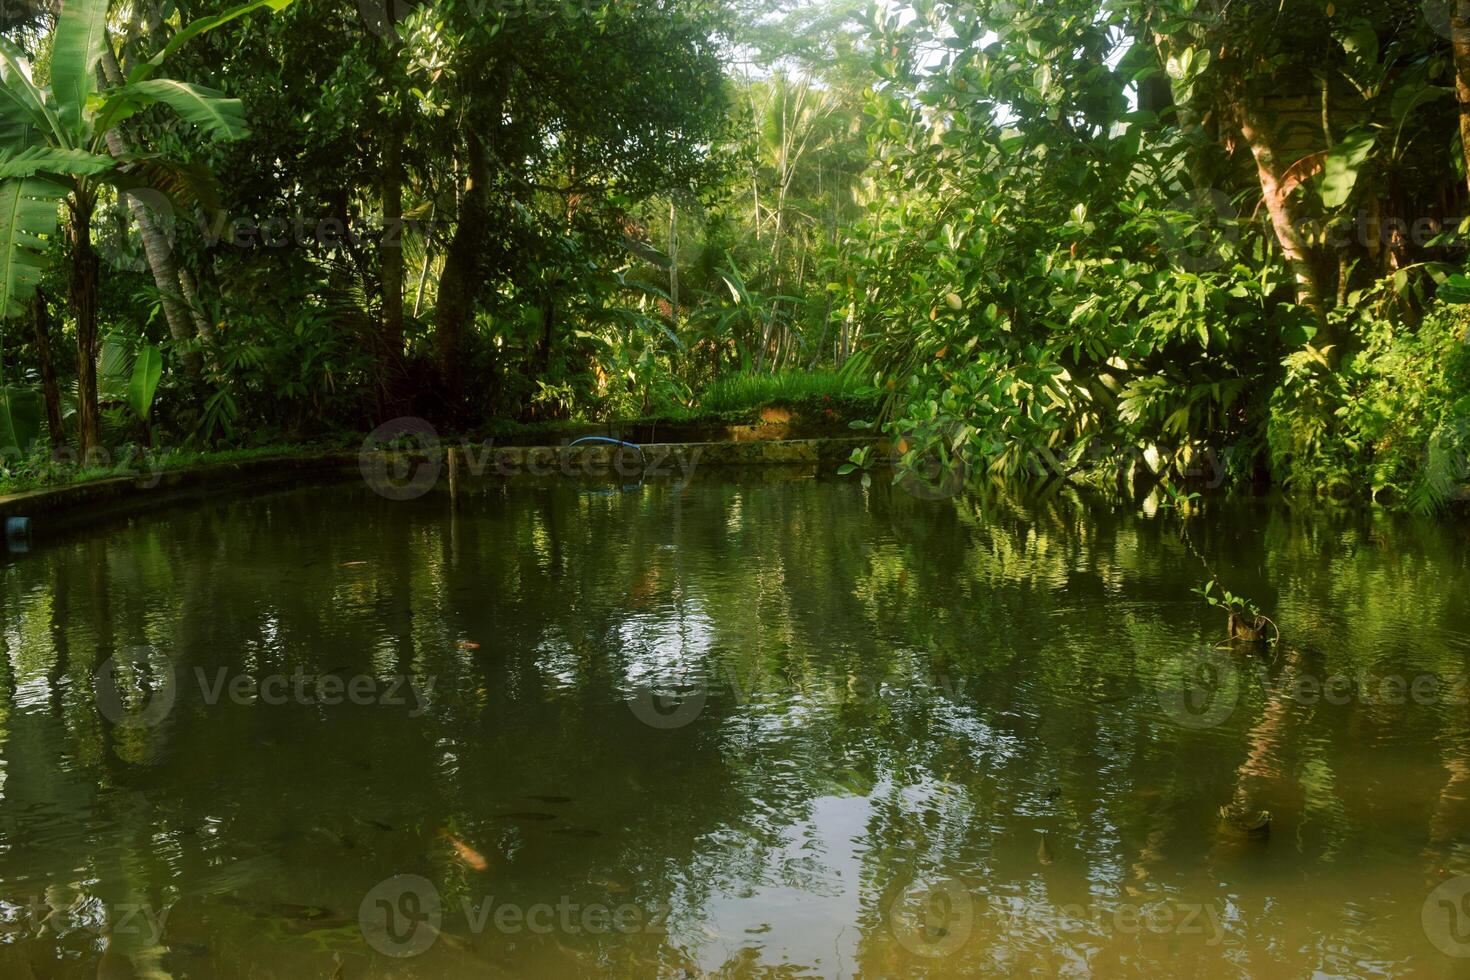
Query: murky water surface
x,y
744,726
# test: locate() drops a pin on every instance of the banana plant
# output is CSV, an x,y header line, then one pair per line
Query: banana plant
x,y
53,149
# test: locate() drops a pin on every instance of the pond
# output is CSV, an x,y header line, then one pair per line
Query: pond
x,y
743,725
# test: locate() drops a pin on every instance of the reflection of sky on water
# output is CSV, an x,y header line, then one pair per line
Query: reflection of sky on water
x,y
775,908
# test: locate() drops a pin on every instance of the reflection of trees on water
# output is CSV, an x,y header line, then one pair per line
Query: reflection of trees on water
x,y
973,672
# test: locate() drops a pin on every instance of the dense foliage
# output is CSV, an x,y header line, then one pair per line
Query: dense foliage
x,y
1188,240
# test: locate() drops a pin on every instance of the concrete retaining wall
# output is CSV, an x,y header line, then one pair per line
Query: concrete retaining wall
x,y
75,504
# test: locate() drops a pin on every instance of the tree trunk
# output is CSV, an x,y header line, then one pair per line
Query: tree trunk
x,y
196,312
673,268
390,249
41,318
1460,41
84,305
156,246
541,365
1283,221
418,299
459,285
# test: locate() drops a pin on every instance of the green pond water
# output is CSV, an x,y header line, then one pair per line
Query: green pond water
x,y
744,726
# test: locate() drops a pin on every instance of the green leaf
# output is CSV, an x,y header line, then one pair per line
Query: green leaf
x,y
1455,289
20,418
1407,98
147,370
114,370
45,159
184,184
22,104
197,27
1344,163
81,30
27,223
205,108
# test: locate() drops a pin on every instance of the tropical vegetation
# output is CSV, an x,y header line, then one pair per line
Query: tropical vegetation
x,y
1127,241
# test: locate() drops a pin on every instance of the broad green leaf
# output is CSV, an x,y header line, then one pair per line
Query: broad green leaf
x,y
16,131
203,107
1407,98
183,184
21,102
1455,289
20,418
44,159
197,27
147,369
1344,163
114,370
81,30
27,223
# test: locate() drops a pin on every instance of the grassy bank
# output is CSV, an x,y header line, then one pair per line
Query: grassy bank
x,y
42,472
824,399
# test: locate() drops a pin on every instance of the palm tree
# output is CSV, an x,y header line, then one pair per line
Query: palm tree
x,y
53,149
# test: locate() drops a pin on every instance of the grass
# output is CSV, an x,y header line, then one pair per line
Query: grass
x,y
732,399
739,392
40,471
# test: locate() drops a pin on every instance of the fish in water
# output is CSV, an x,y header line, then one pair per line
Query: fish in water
x,y
616,887
293,916
188,949
304,913
1249,823
370,822
341,840
525,815
352,564
547,799
471,857
467,645
1043,850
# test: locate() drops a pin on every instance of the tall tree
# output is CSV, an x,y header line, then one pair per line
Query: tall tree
x,y
53,149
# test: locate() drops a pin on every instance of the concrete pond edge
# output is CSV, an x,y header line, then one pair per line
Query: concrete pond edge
x,y
73,504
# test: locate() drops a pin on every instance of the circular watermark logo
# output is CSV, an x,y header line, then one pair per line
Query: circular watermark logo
x,y
930,465
401,475
401,916
667,711
1200,689
118,239
1446,917
1202,231
141,693
932,920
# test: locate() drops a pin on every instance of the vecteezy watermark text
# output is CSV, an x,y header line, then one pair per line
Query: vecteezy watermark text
x,y
404,458
139,689
38,914
329,690
403,915
937,919
127,462
1202,688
